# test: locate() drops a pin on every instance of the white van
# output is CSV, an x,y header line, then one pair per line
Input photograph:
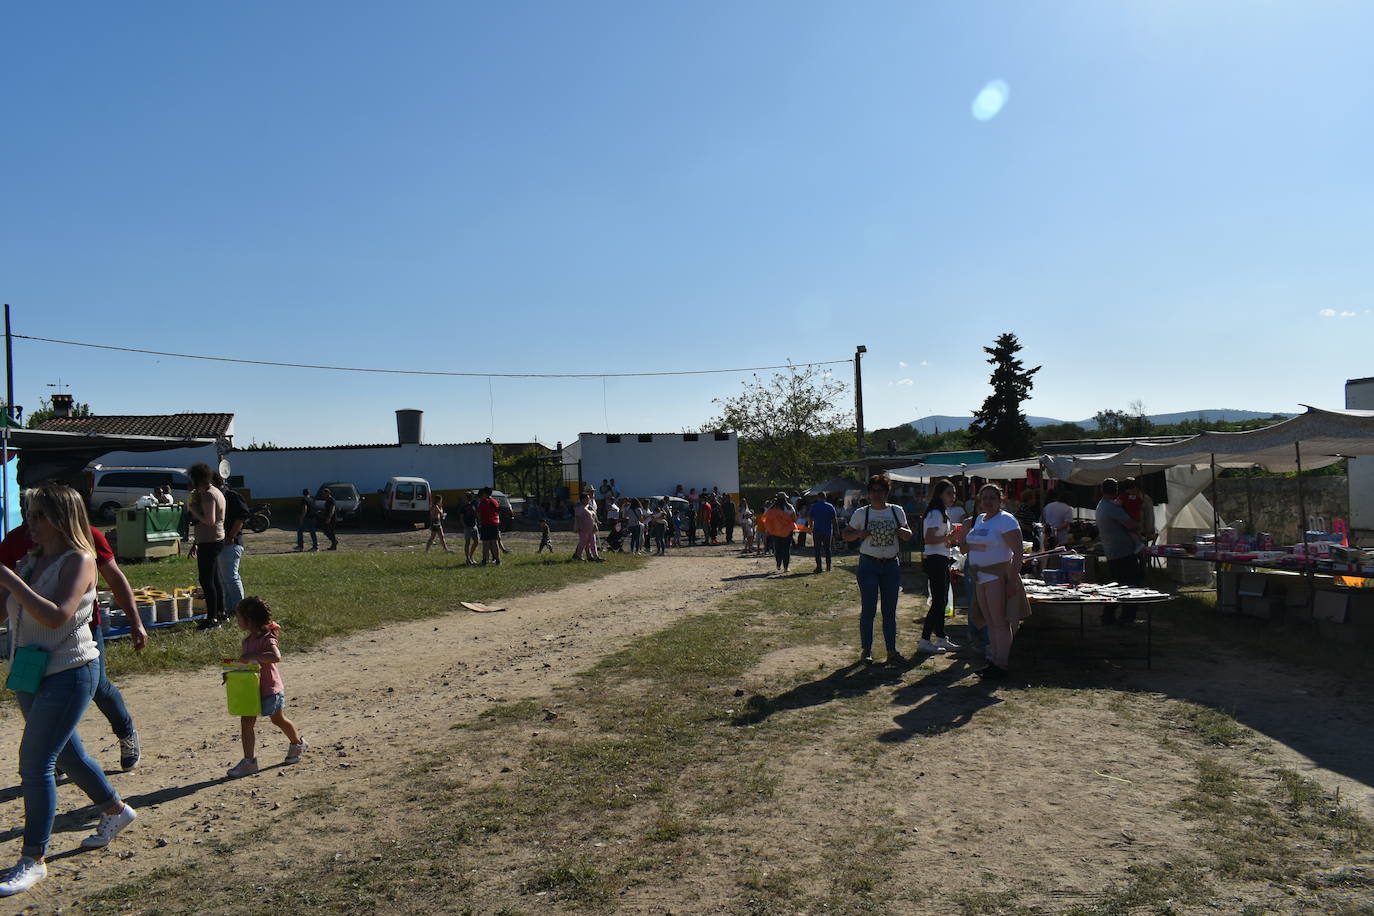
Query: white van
x,y
114,488
406,499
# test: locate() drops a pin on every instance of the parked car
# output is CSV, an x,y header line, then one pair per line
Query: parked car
x,y
507,510
113,488
347,500
406,499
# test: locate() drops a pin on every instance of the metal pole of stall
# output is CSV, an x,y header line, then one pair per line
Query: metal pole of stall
x,y
1216,525
1308,566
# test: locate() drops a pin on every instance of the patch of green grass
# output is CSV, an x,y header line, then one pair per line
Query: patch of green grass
x,y
1214,727
573,880
990,903
1151,888
507,713
316,596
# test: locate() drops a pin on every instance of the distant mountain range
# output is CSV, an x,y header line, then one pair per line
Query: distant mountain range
x,y
945,424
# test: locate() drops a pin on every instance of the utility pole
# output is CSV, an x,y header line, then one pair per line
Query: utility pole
x,y
859,395
9,367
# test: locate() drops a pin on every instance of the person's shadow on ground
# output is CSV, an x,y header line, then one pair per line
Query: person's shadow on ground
x,y
851,681
82,818
939,703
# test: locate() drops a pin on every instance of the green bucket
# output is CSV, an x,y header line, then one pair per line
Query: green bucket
x,y
241,688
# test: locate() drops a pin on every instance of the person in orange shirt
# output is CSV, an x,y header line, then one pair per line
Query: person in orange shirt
x,y
780,521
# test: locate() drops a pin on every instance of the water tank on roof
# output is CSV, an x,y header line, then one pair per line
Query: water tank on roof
x,y
408,422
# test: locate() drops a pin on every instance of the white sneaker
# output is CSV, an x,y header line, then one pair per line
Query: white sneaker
x,y
944,645
21,877
926,647
111,825
293,752
245,767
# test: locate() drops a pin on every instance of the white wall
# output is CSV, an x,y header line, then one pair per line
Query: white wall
x,y
1359,395
272,473
659,465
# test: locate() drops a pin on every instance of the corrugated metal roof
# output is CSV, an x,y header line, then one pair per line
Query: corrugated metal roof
x,y
177,425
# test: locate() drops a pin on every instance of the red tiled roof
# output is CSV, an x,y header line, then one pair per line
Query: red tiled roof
x,y
177,425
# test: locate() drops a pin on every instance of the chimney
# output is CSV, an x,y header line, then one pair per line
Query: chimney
x,y
61,405
408,422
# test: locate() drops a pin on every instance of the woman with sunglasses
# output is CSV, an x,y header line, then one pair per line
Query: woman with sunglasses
x,y
877,527
995,552
49,603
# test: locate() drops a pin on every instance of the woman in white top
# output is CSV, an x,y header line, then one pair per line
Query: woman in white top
x,y
746,522
994,544
939,534
877,527
49,604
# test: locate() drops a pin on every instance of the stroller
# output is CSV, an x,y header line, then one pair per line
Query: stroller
x,y
615,538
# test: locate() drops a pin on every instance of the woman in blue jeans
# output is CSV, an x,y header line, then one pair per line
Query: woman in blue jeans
x,y
877,527
49,604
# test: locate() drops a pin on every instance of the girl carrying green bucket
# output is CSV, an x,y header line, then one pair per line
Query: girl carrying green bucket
x,y
260,648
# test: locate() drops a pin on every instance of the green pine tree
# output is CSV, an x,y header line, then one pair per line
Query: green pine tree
x,y
999,425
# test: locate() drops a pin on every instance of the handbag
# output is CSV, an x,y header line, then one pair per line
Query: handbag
x,y
28,667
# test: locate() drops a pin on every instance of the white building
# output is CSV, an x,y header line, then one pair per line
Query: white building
x,y
1359,395
652,464
272,473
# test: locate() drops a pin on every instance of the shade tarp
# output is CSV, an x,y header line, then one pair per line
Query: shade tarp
x,y
988,470
1322,437
834,485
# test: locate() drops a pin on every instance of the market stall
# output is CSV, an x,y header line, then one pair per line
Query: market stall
x,y
1314,439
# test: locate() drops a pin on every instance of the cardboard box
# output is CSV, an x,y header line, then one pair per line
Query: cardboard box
x,y
1264,608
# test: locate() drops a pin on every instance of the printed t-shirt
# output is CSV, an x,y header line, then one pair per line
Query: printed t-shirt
x,y
990,531
823,519
265,643
882,525
942,528
489,511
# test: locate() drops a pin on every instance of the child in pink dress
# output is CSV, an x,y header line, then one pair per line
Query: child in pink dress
x,y
255,618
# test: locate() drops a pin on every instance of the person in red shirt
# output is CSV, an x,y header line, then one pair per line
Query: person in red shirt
x,y
108,699
1130,498
489,526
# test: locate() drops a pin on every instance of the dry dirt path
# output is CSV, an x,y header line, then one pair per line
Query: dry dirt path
x,y
366,703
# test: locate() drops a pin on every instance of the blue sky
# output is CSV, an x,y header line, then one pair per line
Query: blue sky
x,y
1174,205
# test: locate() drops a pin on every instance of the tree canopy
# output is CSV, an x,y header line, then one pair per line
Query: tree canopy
x,y
787,424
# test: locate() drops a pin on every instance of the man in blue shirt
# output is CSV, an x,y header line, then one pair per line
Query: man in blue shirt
x,y
822,529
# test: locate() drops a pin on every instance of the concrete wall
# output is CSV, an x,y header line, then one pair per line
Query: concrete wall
x,y
1272,503
273,473
659,465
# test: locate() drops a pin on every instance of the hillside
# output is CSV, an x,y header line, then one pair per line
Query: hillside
x,y
941,423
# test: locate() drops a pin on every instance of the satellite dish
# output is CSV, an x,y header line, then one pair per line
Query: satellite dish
x,y
224,468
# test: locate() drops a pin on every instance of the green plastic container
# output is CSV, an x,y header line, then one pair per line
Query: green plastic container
x,y
241,689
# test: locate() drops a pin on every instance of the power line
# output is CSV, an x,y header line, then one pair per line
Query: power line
x,y
486,375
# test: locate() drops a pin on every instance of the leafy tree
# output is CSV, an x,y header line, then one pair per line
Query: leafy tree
x,y
787,424
45,413
999,425
254,445
1055,432
516,473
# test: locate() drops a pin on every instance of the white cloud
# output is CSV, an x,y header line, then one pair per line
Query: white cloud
x,y
905,381
1327,313
1347,314
901,365
924,363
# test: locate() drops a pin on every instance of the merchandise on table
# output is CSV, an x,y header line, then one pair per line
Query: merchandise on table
x,y
1038,590
1323,552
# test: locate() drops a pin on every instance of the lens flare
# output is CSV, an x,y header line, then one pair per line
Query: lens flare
x,y
990,100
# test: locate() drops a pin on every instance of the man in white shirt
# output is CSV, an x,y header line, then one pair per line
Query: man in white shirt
x,y
1058,515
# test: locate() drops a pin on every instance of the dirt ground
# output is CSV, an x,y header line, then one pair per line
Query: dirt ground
x,y
1055,802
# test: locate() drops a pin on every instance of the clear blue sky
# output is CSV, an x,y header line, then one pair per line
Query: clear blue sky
x,y
1175,204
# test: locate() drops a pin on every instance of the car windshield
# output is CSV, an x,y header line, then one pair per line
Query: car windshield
x,y
340,491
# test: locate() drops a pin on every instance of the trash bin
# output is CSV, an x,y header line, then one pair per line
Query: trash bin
x,y
154,531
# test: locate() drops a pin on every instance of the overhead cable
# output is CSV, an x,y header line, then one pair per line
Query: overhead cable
x,y
572,375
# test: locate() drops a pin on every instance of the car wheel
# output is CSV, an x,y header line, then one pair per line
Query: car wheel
x,y
108,512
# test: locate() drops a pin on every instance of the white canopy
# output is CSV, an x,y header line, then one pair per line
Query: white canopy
x,y
1322,437
988,470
